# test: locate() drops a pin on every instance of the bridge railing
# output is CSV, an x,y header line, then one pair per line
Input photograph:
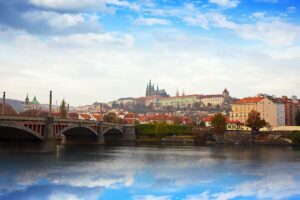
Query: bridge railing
x,y
21,118
58,120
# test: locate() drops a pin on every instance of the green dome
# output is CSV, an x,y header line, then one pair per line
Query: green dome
x,y
34,101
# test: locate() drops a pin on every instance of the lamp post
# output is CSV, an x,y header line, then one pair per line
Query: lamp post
x,y
3,104
50,104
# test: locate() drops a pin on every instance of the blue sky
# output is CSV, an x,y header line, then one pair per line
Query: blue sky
x,y
105,49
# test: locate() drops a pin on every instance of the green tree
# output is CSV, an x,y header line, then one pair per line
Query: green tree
x,y
255,122
161,129
119,120
63,110
218,123
110,117
296,137
297,118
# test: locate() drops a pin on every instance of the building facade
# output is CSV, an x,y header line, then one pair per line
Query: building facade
x,y
31,105
270,110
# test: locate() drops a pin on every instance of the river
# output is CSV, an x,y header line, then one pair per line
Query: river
x,y
152,173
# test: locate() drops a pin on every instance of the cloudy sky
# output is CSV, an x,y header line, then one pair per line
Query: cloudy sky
x,y
100,50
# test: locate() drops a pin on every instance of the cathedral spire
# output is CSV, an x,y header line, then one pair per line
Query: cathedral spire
x,y
177,93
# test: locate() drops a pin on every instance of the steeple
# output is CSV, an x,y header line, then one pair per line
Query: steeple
x,y
183,94
177,93
27,99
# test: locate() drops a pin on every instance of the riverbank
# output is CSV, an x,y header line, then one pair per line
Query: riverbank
x,y
229,138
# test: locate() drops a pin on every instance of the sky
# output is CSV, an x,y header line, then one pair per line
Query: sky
x,y
101,50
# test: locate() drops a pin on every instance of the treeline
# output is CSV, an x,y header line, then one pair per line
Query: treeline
x,y
162,129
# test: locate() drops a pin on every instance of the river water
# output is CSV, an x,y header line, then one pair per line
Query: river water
x,y
152,172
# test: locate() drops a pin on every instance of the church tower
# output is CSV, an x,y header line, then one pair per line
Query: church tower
x,y
226,94
26,100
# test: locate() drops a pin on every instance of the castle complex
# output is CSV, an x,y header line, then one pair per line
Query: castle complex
x,y
151,91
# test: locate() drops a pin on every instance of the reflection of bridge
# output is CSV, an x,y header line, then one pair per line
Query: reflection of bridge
x,y
70,131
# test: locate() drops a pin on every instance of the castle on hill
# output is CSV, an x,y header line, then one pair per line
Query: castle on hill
x,y
151,91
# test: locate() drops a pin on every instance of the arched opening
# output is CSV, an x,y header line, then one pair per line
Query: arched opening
x,y
79,135
19,139
8,133
113,136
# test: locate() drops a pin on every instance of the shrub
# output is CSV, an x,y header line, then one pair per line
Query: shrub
x,y
296,138
161,129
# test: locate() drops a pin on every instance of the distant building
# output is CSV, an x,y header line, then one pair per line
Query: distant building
x,y
151,91
195,100
216,100
271,110
291,108
186,101
32,105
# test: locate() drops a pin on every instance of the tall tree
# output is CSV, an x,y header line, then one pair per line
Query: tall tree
x,y
297,118
110,117
63,110
255,122
218,123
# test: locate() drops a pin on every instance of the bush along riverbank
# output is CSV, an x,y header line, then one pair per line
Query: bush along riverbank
x,y
164,133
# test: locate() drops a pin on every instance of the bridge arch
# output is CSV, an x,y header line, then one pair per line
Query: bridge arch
x,y
78,131
18,132
113,135
113,130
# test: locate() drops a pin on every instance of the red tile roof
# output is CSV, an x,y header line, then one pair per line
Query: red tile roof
x,y
250,100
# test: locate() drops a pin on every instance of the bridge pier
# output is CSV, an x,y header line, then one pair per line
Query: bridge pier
x,y
129,134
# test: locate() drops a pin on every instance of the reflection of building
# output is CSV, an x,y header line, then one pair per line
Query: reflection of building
x,y
32,105
151,91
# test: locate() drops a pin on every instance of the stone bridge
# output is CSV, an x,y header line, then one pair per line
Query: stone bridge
x,y
14,128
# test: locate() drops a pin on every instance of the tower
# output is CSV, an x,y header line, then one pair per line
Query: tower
x,y
177,93
225,94
26,100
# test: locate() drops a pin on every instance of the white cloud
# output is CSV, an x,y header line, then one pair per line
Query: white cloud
x,y
268,188
200,20
259,15
64,196
124,3
56,21
274,32
151,21
152,197
291,9
108,63
70,4
226,3
202,196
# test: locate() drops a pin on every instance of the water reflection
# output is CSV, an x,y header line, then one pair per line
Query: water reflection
x,y
223,172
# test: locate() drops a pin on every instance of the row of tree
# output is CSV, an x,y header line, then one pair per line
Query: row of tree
x,y
254,121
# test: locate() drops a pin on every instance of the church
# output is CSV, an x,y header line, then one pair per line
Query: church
x,y
151,91
32,105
